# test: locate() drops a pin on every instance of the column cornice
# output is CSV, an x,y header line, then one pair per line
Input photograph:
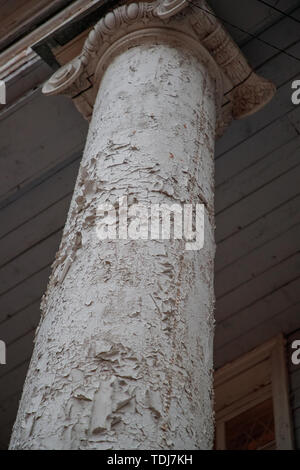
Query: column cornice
x,y
243,91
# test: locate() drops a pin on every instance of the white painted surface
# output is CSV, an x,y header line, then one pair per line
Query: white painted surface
x,y
268,136
124,350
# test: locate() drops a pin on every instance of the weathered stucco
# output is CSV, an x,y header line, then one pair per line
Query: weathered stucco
x,y
123,355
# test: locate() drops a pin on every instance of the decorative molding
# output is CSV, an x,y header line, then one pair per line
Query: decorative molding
x,y
168,8
161,21
24,45
262,373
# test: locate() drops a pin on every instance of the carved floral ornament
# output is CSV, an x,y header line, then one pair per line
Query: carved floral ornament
x,y
241,92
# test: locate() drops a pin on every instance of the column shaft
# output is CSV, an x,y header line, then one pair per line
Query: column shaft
x,y
123,355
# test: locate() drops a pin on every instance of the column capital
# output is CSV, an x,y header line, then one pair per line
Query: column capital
x,y
177,22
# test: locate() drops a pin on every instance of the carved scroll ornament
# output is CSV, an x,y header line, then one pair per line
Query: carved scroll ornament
x,y
243,91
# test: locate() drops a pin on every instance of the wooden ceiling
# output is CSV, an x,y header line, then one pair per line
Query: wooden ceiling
x,y
18,17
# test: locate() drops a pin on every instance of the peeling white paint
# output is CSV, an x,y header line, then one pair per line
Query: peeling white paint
x,y
123,355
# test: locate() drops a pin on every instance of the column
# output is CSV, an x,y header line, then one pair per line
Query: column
x,y
123,356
